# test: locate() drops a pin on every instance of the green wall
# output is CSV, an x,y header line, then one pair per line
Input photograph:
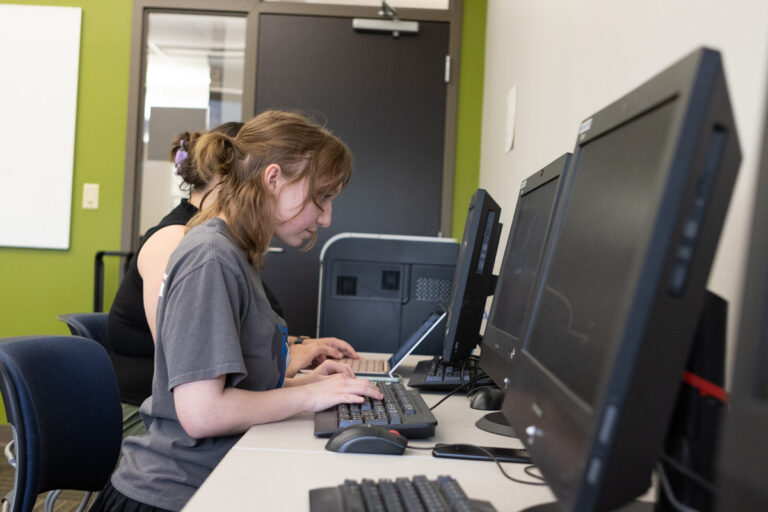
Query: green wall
x,y
37,285
470,113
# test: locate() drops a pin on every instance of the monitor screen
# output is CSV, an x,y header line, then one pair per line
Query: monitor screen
x,y
520,269
473,278
584,302
622,284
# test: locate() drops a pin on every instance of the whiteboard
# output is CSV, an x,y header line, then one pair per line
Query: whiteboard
x,y
39,60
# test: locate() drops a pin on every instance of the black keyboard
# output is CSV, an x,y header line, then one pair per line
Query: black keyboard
x,y
404,494
434,374
401,410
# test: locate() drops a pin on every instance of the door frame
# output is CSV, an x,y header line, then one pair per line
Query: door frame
x,y
251,10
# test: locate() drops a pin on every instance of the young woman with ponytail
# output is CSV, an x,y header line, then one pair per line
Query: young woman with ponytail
x,y
221,350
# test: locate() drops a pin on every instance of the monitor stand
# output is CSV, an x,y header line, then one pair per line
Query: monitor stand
x,y
635,506
495,423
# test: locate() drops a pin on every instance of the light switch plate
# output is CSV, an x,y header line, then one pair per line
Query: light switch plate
x,y
509,140
90,196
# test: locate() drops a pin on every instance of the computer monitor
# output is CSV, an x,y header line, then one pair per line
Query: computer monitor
x,y
516,282
473,279
520,268
743,458
622,285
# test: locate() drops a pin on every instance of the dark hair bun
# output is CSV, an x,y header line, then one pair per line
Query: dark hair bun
x,y
181,156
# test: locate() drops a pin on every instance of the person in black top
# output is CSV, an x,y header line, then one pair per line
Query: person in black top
x,y
132,315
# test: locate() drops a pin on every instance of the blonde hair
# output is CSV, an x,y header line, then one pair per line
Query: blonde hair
x,y
302,149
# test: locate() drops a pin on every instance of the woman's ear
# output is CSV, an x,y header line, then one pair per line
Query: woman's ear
x,y
272,176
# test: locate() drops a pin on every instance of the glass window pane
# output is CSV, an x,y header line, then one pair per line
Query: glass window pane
x,y
193,82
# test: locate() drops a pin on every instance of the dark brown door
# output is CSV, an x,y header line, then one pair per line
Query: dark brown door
x,y
385,97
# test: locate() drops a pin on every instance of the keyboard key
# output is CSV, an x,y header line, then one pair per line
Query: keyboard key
x,y
429,497
346,423
353,496
372,497
389,496
451,490
410,496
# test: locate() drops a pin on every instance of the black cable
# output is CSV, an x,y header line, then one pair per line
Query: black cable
x,y
483,386
492,457
459,388
693,476
529,471
667,488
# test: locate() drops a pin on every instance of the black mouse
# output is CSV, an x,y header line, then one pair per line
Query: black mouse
x,y
365,438
486,399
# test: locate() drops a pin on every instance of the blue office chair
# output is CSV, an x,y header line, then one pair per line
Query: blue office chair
x,y
62,401
88,325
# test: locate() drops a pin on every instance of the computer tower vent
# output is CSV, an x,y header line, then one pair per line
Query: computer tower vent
x,y
433,290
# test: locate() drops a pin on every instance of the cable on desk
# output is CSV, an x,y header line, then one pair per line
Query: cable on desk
x,y
493,458
529,471
459,388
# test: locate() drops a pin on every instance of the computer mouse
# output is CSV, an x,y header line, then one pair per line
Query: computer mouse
x,y
486,399
365,438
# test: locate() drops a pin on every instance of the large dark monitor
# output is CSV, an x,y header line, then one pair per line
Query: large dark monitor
x,y
520,269
743,460
623,282
473,279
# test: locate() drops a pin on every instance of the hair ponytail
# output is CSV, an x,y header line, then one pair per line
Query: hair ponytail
x,y
215,155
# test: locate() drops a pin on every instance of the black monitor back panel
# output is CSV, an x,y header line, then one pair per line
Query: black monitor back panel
x,y
473,279
743,458
376,290
535,207
623,283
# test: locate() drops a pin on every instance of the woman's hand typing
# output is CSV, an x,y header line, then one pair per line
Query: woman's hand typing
x,y
339,388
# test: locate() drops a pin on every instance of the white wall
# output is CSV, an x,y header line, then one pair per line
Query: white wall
x,y
570,58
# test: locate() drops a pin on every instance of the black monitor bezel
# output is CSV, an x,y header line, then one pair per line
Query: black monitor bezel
x,y
601,457
499,347
470,290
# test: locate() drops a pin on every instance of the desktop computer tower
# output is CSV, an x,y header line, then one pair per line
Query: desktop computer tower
x,y
694,431
376,290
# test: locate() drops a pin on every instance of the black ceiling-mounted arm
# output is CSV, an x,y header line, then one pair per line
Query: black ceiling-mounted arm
x,y
393,24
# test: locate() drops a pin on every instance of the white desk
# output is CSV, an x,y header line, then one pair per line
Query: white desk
x,y
274,466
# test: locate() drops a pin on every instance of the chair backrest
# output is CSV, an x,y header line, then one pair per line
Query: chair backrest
x,y
88,325
62,400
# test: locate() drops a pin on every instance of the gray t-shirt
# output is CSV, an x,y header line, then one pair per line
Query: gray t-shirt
x,y
213,319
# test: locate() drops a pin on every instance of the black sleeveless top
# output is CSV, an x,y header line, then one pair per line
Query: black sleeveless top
x,y
130,340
